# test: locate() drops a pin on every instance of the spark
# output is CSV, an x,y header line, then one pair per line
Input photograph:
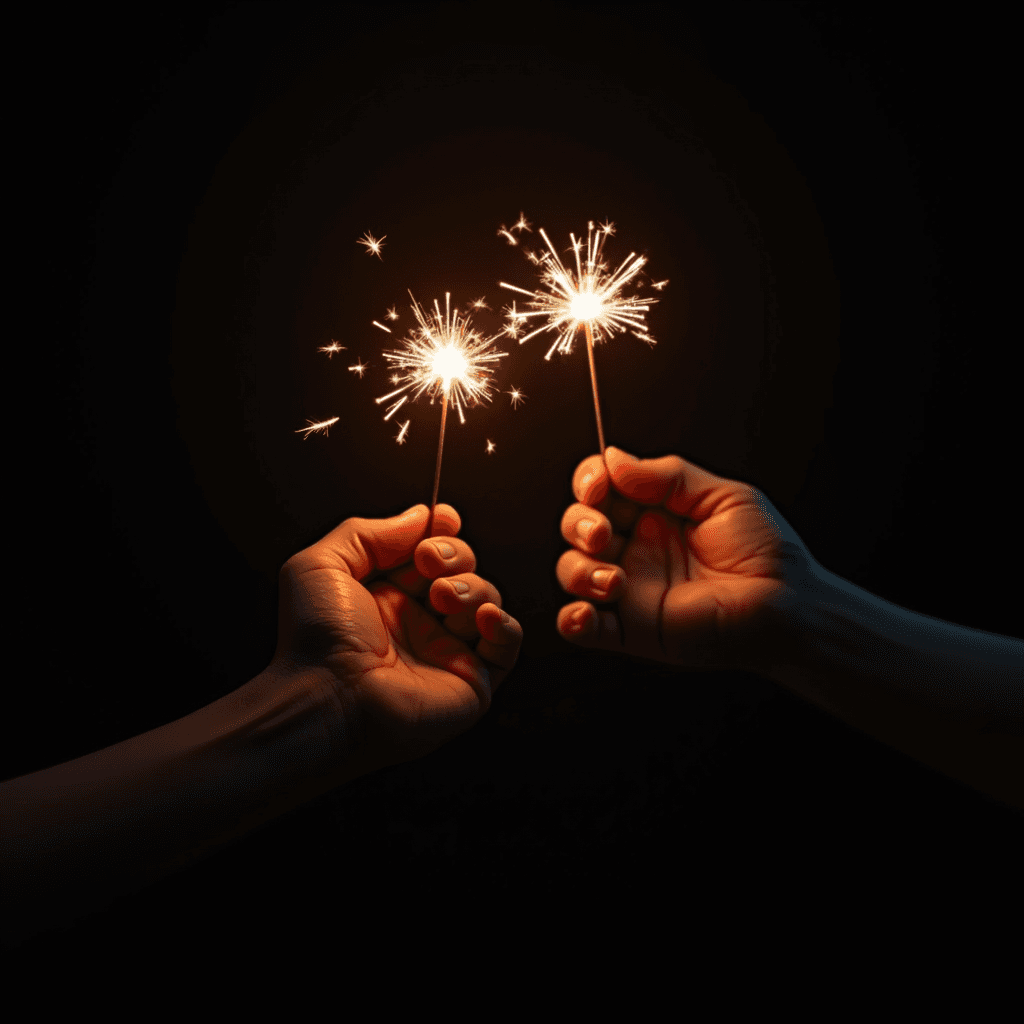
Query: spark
x,y
331,349
658,285
480,303
517,397
373,245
515,320
503,232
381,326
584,295
391,314
323,425
395,378
359,368
401,434
444,355
490,447
522,224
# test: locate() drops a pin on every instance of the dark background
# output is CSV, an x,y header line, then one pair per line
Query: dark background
x,y
828,193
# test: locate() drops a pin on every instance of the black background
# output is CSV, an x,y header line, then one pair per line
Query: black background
x,y
828,193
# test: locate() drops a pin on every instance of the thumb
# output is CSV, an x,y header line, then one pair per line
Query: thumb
x,y
683,488
362,546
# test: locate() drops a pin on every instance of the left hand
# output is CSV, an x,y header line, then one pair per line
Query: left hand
x,y
398,680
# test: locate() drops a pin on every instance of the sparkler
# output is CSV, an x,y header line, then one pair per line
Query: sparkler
x,y
590,298
443,357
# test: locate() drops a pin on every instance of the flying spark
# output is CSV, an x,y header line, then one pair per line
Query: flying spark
x,y
359,368
391,314
517,397
480,303
373,245
658,285
503,232
381,326
587,295
522,224
490,447
313,428
443,356
401,434
331,349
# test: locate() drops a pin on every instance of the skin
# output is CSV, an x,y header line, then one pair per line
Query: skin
x,y
694,564
355,618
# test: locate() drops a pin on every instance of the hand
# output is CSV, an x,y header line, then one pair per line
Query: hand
x,y
398,683
697,568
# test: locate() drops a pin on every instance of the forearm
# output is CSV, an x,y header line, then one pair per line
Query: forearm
x,y
78,834
949,696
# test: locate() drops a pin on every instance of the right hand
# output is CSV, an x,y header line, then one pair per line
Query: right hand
x,y
698,569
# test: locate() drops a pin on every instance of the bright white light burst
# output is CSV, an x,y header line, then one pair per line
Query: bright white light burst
x,y
444,355
589,295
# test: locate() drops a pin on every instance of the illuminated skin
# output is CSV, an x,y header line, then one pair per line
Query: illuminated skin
x,y
403,677
690,559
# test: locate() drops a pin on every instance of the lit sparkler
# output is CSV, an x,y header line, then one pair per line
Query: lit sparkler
x,y
443,357
591,298
314,428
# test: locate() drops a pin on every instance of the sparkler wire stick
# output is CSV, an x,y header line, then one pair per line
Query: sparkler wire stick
x,y
593,385
437,469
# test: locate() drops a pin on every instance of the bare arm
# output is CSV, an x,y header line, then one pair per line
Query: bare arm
x,y
80,833
702,571
949,696
364,676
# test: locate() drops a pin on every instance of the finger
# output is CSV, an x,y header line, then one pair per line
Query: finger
x,y
582,624
362,546
590,482
443,556
458,598
586,528
447,521
680,486
584,576
428,641
501,637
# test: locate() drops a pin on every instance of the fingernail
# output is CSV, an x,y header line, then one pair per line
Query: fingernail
x,y
602,578
583,528
575,623
445,550
460,587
